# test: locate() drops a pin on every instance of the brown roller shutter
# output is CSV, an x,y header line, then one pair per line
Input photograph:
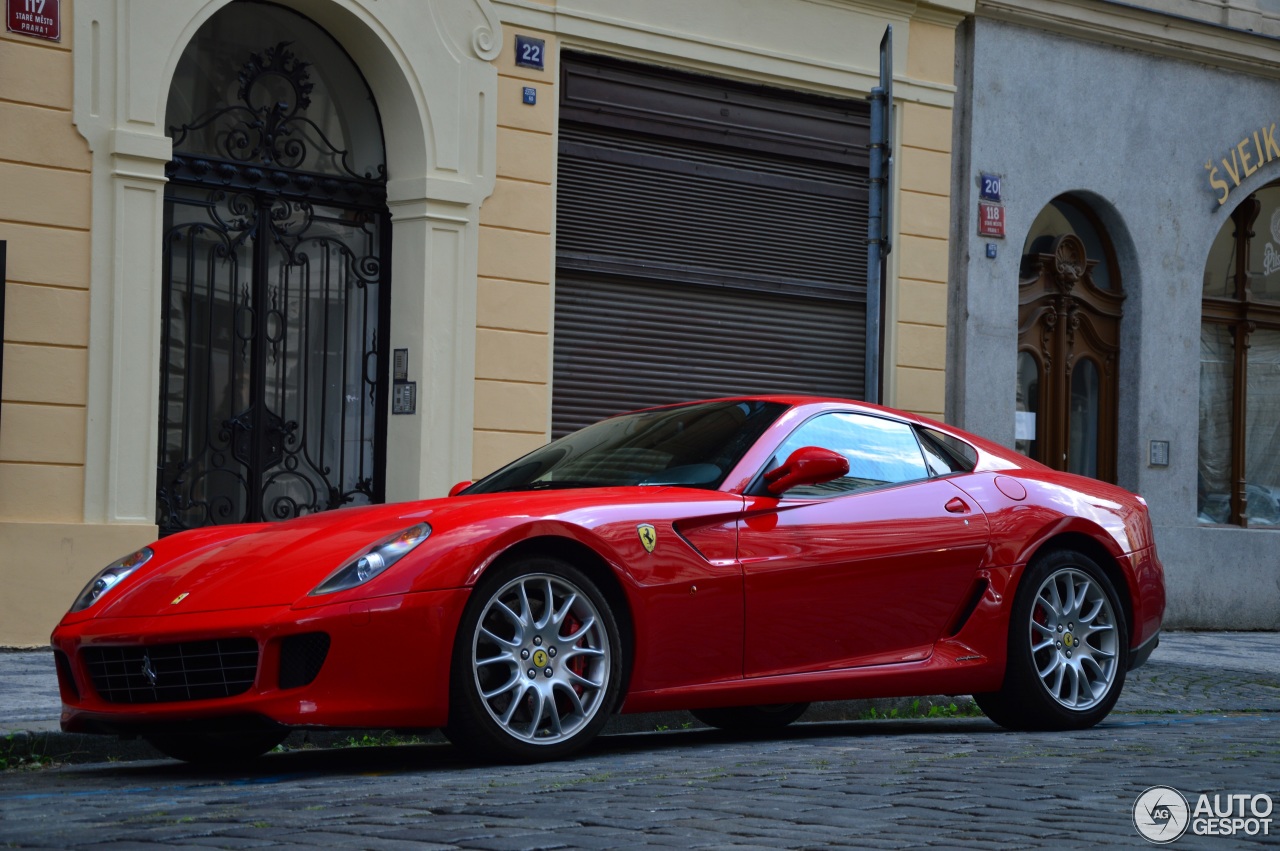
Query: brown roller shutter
x,y
709,241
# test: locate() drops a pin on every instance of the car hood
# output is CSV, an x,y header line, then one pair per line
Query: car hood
x,y
279,564
266,564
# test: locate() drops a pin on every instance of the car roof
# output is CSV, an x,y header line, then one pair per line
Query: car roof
x,y
991,455
798,400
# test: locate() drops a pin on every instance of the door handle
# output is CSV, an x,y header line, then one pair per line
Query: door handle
x,y
956,505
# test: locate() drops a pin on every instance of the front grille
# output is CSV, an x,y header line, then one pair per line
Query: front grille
x,y
301,657
162,673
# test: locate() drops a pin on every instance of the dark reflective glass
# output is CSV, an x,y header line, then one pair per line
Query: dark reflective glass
x,y
688,445
1027,405
263,86
1082,456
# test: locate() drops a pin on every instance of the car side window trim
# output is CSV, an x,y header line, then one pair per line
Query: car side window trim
x,y
958,463
931,451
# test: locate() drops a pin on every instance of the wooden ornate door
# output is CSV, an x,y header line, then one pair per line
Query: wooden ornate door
x,y
1068,353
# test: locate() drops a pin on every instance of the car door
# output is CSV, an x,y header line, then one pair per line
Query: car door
x,y
867,569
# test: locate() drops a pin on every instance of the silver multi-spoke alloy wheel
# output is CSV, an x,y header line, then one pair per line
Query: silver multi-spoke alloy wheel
x,y
1068,647
1074,639
540,659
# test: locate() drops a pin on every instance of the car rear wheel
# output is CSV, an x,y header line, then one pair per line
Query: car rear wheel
x,y
221,748
537,664
751,719
1068,648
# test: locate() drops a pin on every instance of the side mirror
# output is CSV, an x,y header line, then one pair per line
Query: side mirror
x,y
459,488
808,465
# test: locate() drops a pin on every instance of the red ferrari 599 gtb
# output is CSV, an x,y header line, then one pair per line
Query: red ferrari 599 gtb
x,y
739,558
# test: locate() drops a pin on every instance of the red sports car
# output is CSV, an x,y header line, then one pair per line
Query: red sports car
x,y
738,558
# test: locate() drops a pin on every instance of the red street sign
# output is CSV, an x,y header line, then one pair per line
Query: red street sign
x,y
990,219
36,18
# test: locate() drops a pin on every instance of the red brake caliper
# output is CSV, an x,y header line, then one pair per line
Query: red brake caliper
x,y
577,664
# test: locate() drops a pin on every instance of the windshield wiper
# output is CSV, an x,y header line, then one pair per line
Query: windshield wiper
x,y
560,484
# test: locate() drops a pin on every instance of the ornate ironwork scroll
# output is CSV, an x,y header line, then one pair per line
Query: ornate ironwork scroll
x,y
269,126
275,302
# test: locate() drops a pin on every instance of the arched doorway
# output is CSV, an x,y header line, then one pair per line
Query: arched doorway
x,y
1069,309
275,290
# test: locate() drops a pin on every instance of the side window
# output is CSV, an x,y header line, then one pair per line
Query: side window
x,y
945,454
879,451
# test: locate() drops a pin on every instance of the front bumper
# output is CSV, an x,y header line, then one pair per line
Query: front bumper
x,y
1145,576
387,666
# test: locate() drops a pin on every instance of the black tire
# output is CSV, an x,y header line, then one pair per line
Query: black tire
x,y
550,688
1068,648
221,748
751,719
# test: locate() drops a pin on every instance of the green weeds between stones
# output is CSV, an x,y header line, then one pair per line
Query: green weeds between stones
x,y
916,710
17,753
381,740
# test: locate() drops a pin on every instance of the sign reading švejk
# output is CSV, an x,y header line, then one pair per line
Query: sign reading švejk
x,y
37,18
1249,154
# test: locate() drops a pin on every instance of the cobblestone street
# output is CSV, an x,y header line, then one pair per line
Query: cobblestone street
x,y
951,782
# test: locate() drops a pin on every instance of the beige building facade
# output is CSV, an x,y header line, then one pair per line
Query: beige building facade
x,y
470,183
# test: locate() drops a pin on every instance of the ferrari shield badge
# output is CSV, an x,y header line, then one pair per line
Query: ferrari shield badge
x,y
648,536
178,599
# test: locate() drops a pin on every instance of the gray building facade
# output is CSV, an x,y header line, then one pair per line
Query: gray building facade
x,y
1128,324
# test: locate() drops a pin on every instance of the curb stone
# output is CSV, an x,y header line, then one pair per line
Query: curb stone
x,y
22,748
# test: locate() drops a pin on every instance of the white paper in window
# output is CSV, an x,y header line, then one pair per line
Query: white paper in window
x,y
1025,425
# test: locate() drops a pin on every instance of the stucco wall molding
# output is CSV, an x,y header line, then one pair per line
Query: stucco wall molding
x,y
1136,28
830,55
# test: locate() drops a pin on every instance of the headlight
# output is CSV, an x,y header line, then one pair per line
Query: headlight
x,y
109,576
373,560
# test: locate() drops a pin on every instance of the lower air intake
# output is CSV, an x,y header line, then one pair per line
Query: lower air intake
x,y
301,657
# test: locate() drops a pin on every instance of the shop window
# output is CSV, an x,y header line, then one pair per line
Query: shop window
x,y
1069,309
1239,463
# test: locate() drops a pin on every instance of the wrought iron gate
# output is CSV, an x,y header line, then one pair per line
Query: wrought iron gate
x,y
273,366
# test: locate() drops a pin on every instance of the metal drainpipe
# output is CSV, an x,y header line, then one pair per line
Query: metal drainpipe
x,y
875,233
878,219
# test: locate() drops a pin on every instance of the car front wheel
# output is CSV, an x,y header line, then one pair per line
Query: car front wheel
x,y
1068,648
537,663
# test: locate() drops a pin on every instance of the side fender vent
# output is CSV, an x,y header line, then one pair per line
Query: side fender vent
x,y
966,611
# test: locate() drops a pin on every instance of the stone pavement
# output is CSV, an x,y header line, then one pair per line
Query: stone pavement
x,y
920,784
1203,717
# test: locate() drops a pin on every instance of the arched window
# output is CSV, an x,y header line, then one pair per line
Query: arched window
x,y
275,301
1069,308
1239,469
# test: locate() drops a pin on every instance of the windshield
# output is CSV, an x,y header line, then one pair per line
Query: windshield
x,y
689,445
